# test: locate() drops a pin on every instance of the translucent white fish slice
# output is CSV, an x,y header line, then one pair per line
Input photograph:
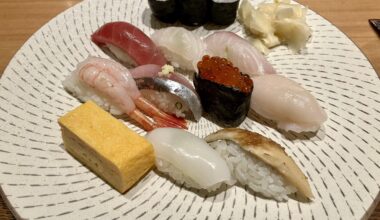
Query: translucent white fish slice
x,y
280,99
190,155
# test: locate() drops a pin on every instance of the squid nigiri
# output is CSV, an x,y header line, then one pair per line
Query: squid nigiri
x,y
128,44
188,159
239,51
181,47
280,99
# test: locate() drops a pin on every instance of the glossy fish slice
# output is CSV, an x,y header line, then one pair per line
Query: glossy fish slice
x,y
128,44
283,100
269,152
187,96
239,51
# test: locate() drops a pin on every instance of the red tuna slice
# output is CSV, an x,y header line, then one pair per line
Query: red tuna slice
x,y
131,41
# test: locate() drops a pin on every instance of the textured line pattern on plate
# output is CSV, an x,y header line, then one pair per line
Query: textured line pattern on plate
x,y
42,181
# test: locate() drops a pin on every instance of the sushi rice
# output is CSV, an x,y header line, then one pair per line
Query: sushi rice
x,y
252,172
167,168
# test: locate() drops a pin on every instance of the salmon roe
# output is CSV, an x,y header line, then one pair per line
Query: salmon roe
x,y
221,71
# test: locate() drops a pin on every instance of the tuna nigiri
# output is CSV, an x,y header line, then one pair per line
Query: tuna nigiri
x,y
239,51
128,44
280,99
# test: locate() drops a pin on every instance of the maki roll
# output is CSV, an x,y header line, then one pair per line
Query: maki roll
x,y
164,10
223,12
193,12
225,93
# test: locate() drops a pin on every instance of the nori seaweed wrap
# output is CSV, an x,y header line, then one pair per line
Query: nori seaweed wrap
x,y
193,12
225,93
164,10
223,12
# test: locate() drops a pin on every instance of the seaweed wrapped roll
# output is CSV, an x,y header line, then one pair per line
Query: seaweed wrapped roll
x,y
164,10
193,12
223,12
225,93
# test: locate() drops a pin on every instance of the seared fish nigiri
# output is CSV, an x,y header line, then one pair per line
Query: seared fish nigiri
x,y
260,163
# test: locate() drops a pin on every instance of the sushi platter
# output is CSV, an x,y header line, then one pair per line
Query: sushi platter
x,y
153,110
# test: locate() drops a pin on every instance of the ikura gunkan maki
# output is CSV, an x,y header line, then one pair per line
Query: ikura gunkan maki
x,y
223,12
225,93
164,10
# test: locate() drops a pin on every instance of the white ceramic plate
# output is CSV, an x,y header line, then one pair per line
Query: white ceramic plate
x,y
41,180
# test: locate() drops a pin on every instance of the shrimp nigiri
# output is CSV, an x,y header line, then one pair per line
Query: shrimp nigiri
x,y
104,80
239,51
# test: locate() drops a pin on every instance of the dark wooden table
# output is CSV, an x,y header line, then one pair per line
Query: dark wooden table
x,y
19,19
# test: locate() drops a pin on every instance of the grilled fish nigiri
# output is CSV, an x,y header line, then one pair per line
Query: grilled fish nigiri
x,y
260,163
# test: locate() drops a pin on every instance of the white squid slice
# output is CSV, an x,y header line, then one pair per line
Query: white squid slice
x,y
191,155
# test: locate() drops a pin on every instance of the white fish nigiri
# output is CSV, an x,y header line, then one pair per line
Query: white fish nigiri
x,y
188,159
181,47
239,51
280,99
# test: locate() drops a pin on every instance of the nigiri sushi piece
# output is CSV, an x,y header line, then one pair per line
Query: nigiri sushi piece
x,y
282,100
239,51
164,10
181,47
260,163
225,93
188,159
193,12
128,44
110,85
223,12
174,97
166,71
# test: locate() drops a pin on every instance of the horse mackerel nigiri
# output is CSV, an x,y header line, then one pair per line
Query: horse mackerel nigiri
x,y
111,82
168,90
128,44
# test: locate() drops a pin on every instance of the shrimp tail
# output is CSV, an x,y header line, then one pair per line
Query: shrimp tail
x,y
161,118
142,120
162,123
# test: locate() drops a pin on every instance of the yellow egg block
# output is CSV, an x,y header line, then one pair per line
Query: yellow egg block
x,y
106,146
